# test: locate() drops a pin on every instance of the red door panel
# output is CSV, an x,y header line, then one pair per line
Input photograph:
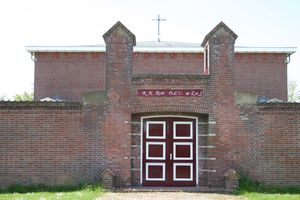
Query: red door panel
x,y
183,142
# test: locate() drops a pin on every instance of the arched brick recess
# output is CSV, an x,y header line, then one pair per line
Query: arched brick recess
x,y
169,107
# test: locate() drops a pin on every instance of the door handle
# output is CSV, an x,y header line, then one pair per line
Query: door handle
x,y
170,156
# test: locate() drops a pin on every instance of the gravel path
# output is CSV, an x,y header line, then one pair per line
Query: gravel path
x,y
168,196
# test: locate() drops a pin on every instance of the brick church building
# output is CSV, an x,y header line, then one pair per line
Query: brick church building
x,y
154,114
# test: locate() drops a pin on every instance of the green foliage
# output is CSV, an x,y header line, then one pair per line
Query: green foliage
x,y
293,93
250,185
24,97
17,188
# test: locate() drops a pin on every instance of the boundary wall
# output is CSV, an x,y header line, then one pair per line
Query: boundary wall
x,y
62,144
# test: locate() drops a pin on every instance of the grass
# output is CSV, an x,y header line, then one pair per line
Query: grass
x,y
253,189
249,187
261,196
42,192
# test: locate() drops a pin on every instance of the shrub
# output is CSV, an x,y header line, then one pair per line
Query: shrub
x,y
248,184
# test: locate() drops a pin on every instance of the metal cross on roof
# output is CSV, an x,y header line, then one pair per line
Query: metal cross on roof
x,y
158,20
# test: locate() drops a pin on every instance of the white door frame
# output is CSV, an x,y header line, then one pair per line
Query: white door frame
x,y
141,150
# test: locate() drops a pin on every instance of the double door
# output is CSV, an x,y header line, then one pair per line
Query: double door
x,y
169,151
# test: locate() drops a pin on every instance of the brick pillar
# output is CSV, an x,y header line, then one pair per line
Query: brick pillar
x,y
232,179
108,179
219,44
117,115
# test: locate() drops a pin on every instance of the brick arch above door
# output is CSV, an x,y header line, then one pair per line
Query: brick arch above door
x,y
141,108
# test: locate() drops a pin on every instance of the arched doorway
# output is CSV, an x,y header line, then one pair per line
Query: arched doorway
x,y
169,151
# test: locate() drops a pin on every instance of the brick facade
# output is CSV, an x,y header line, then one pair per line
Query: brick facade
x,y
71,74
168,63
265,74
68,74
59,143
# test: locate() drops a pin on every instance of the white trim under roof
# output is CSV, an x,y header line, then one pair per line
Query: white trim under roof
x,y
287,50
31,49
159,47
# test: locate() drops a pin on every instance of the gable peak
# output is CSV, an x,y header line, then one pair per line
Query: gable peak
x,y
123,31
221,25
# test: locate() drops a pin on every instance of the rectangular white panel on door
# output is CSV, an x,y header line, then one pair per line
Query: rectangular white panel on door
x,y
183,150
183,171
182,130
155,171
155,150
156,130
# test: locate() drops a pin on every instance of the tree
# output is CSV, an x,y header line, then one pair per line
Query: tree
x,y
293,93
3,97
24,97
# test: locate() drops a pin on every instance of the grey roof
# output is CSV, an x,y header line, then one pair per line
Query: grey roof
x,y
153,44
166,44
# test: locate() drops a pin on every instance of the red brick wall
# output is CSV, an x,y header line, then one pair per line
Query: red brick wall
x,y
168,63
68,74
267,145
71,74
264,73
49,143
280,160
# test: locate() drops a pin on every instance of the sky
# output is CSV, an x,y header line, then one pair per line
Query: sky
x,y
258,23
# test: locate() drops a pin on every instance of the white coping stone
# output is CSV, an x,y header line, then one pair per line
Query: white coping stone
x,y
135,169
135,145
135,122
206,170
206,146
207,158
135,157
209,135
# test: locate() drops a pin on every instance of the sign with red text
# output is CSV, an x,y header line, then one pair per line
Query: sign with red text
x,y
170,93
